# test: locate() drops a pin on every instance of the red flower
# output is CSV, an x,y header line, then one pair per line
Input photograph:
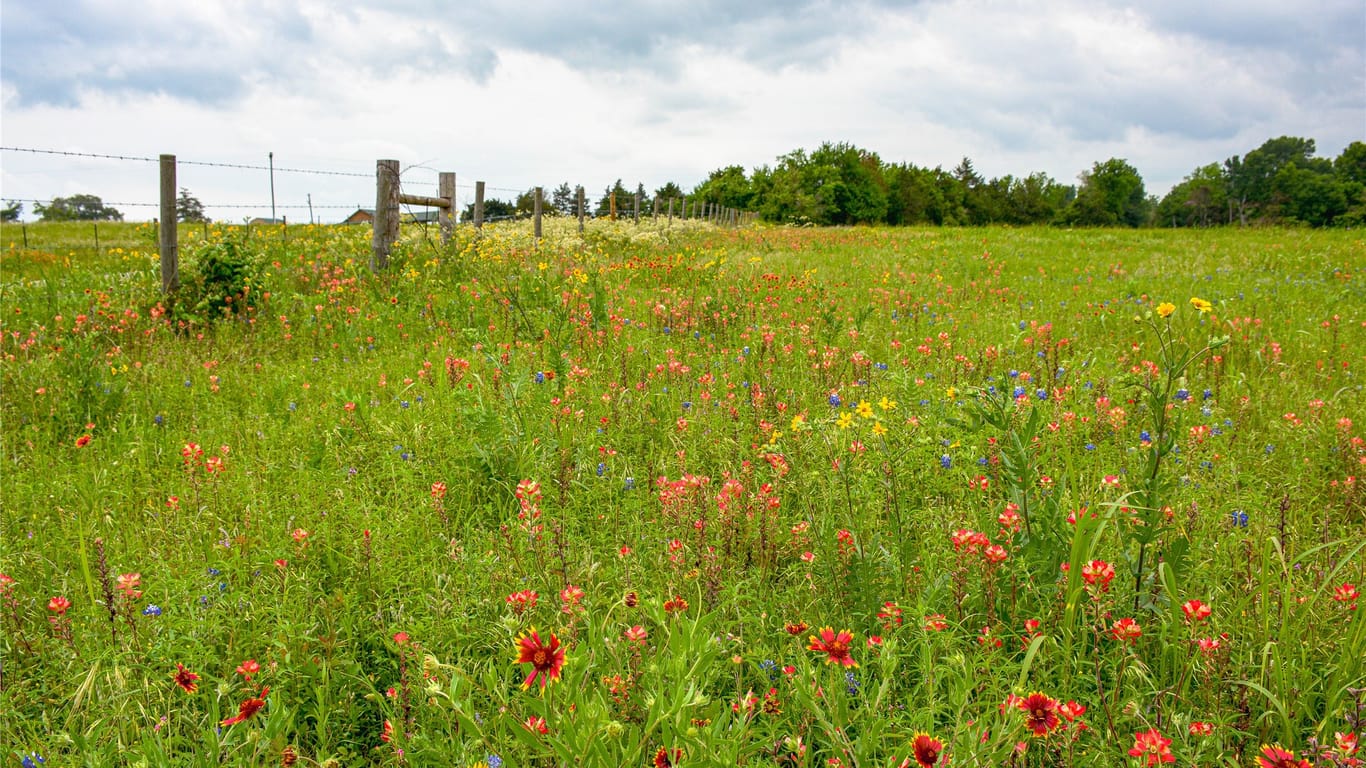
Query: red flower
x,y
58,605
83,441
675,605
1201,728
1126,630
665,759
927,750
834,645
797,628
536,725
1274,756
935,623
248,668
1041,713
636,634
1195,610
388,734
401,638
248,709
1152,747
546,659
185,678
1346,594
1098,573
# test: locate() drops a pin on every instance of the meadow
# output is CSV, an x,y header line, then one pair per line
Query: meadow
x,y
678,495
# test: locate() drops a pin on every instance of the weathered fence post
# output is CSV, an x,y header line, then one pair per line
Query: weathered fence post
x,y
386,213
613,210
580,209
654,212
536,217
478,205
635,209
671,210
170,253
446,216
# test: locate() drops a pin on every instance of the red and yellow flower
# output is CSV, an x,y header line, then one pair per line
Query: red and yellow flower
x,y
835,645
546,659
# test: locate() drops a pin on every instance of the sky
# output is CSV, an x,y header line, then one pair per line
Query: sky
x,y
519,94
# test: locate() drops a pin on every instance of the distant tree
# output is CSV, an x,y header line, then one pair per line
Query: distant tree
x,y
493,209
1036,199
77,208
1111,195
563,200
727,187
188,207
1350,166
1198,201
526,204
667,192
11,211
1309,196
1249,178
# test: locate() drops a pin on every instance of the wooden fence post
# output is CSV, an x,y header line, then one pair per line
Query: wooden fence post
x,y
613,210
478,205
635,209
536,217
671,210
170,251
580,209
446,216
385,224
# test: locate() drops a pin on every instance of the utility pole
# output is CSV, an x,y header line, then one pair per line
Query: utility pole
x,y
272,186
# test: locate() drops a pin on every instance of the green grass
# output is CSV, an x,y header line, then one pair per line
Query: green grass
x,y
780,427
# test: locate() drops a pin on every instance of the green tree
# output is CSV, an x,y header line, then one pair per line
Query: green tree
x,y
11,211
728,187
1250,177
494,209
188,207
563,200
77,208
1198,201
1111,194
1308,196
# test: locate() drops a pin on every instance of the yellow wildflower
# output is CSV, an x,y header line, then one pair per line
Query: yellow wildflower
x,y
865,409
1166,308
1201,305
887,405
845,420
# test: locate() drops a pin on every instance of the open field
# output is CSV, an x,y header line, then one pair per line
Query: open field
x,y
1069,493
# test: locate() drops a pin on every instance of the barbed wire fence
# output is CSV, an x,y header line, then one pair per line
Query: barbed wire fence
x,y
384,218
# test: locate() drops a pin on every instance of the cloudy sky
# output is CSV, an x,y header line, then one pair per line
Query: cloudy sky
x,y
535,92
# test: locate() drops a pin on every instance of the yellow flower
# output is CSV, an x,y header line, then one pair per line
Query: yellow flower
x,y
798,422
845,420
878,429
887,405
865,409
1201,305
1166,308
951,393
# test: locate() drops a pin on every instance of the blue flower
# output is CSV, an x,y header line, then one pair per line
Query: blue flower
x,y
851,683
33,760
982,462
1014,374
628,483
1239,518
880,366
835,401
946,461
540,377
157,419
151,610
1019,391
495,761
601,468
1183,395
667,329
1207,394
403,403
1145,436
214,571
1042,394
687,404
1090,446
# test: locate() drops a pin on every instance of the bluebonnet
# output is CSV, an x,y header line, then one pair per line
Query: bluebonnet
x,y
157,419
667,329
292,406
687,404
1145,436
1239,518
835,400
1019,391
881,366
403,403
1183,395
601,468
32,760
151,610
1014,374
495,761
628,483
540,377
1090,446
982,462
851,683
1042,394
214,572
946,461
1207,394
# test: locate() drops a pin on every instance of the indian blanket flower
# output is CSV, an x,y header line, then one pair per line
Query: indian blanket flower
x,y
1152,747
1041,713
665,758
185,678
1276,756
248,709
927,750
835,645
546,659
1165,309
83,441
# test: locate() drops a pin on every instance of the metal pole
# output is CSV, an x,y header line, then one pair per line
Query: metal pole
x,y
272,186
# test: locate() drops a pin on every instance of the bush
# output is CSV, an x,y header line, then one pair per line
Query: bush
x,y
218,282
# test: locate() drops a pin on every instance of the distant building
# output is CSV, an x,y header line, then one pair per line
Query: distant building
x,y
361,216
260,221
425,216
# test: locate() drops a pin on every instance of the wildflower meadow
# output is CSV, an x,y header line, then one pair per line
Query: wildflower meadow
x,y
664,494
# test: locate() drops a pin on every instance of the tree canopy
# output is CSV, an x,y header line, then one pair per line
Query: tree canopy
x,y
77,208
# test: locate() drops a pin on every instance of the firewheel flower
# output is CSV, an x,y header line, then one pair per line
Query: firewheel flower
x,y
927,750
248,709
1041,713
185,678
546,659
834,645
1275,756
1154,749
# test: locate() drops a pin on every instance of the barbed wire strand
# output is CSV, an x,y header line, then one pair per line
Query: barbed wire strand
x,y
202,163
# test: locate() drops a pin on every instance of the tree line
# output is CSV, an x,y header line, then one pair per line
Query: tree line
x,y
1280,182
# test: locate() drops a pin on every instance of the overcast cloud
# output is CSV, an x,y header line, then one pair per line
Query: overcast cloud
x,y
519,94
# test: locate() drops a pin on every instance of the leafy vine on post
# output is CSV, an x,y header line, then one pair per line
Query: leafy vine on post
x,y
1158,383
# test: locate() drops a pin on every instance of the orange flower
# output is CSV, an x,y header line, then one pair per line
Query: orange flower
x,y
185,678
834,645
1152,747
248,709
546,659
